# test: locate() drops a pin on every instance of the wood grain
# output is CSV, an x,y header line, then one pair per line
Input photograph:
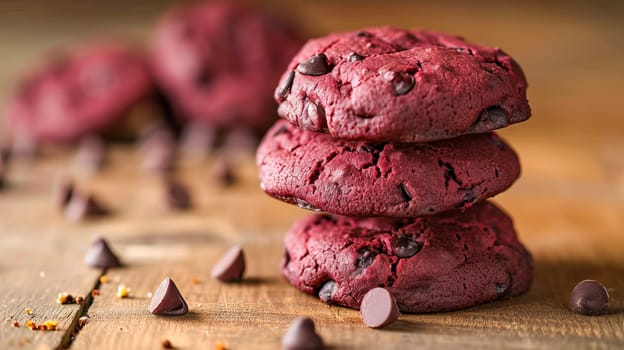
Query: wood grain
x,y
567,206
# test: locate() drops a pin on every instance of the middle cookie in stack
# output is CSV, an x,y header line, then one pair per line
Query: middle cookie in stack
x,y
394,129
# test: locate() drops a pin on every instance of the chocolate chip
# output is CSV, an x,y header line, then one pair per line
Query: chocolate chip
x,y
62,192
403,83
404,192
159,149
284,88
177,195
91,153
305,205
355,57
502,288
231,266
404,246
302,335
168,301
379,308
364,34
314,117
365,258
327,291
589,297
223,172
100,255
315,65
493,118
198,140
496,140
283,129
83,206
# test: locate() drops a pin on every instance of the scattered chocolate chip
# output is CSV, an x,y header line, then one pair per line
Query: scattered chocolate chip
x,y
404,246
82,206
403,83
198,140
302,335
363,34
167,300
166,344
589,297
355,57
159,149
177,195
284,88
327,291
405,193
315,65
223,172
231,266
62,192
240,139
379,308
493,118
101,256
365,258
91,153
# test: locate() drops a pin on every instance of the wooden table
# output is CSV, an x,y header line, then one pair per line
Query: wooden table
x,y
568,206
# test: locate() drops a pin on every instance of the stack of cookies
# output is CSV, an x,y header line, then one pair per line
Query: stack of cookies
x,y
390,131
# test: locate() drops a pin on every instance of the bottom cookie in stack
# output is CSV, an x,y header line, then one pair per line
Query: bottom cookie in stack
x,y
435,263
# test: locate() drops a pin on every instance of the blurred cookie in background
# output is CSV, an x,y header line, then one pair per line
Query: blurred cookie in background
x,y
218,64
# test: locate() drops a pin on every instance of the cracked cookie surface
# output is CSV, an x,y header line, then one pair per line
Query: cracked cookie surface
x,y
436,263
394,85
357,178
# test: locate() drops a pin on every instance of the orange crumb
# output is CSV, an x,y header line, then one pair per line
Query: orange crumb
x,y
32,325
122,291
16,324
220,346
104,279
28,311
50,325
195,280
95,292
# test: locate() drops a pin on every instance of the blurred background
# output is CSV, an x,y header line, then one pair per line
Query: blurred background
x,y
571,51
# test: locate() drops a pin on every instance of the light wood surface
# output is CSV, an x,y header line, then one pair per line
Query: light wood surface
x,y
568,206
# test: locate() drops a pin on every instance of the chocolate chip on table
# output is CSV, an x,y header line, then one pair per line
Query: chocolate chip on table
x,y
91,153
353,57
100,255
223,172
589,297
82,206
284,88
404,246
403,83
493,118
177,195
198,140
166,344
231,266
315,65
379,308
301,335
167,300
158,146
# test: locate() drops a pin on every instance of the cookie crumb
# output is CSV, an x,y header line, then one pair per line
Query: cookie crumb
x,y
104,279
166,344
79,300
28,311
195,280
95,293
220,346
16,324
66,298
50,325
32,325
122,291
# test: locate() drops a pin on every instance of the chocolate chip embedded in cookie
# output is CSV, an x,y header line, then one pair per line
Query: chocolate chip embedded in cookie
x,y
463,259
394,85
315,171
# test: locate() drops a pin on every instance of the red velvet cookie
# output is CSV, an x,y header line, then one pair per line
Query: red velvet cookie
x,y
80,93
219,62
393,85
358,178
435,263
